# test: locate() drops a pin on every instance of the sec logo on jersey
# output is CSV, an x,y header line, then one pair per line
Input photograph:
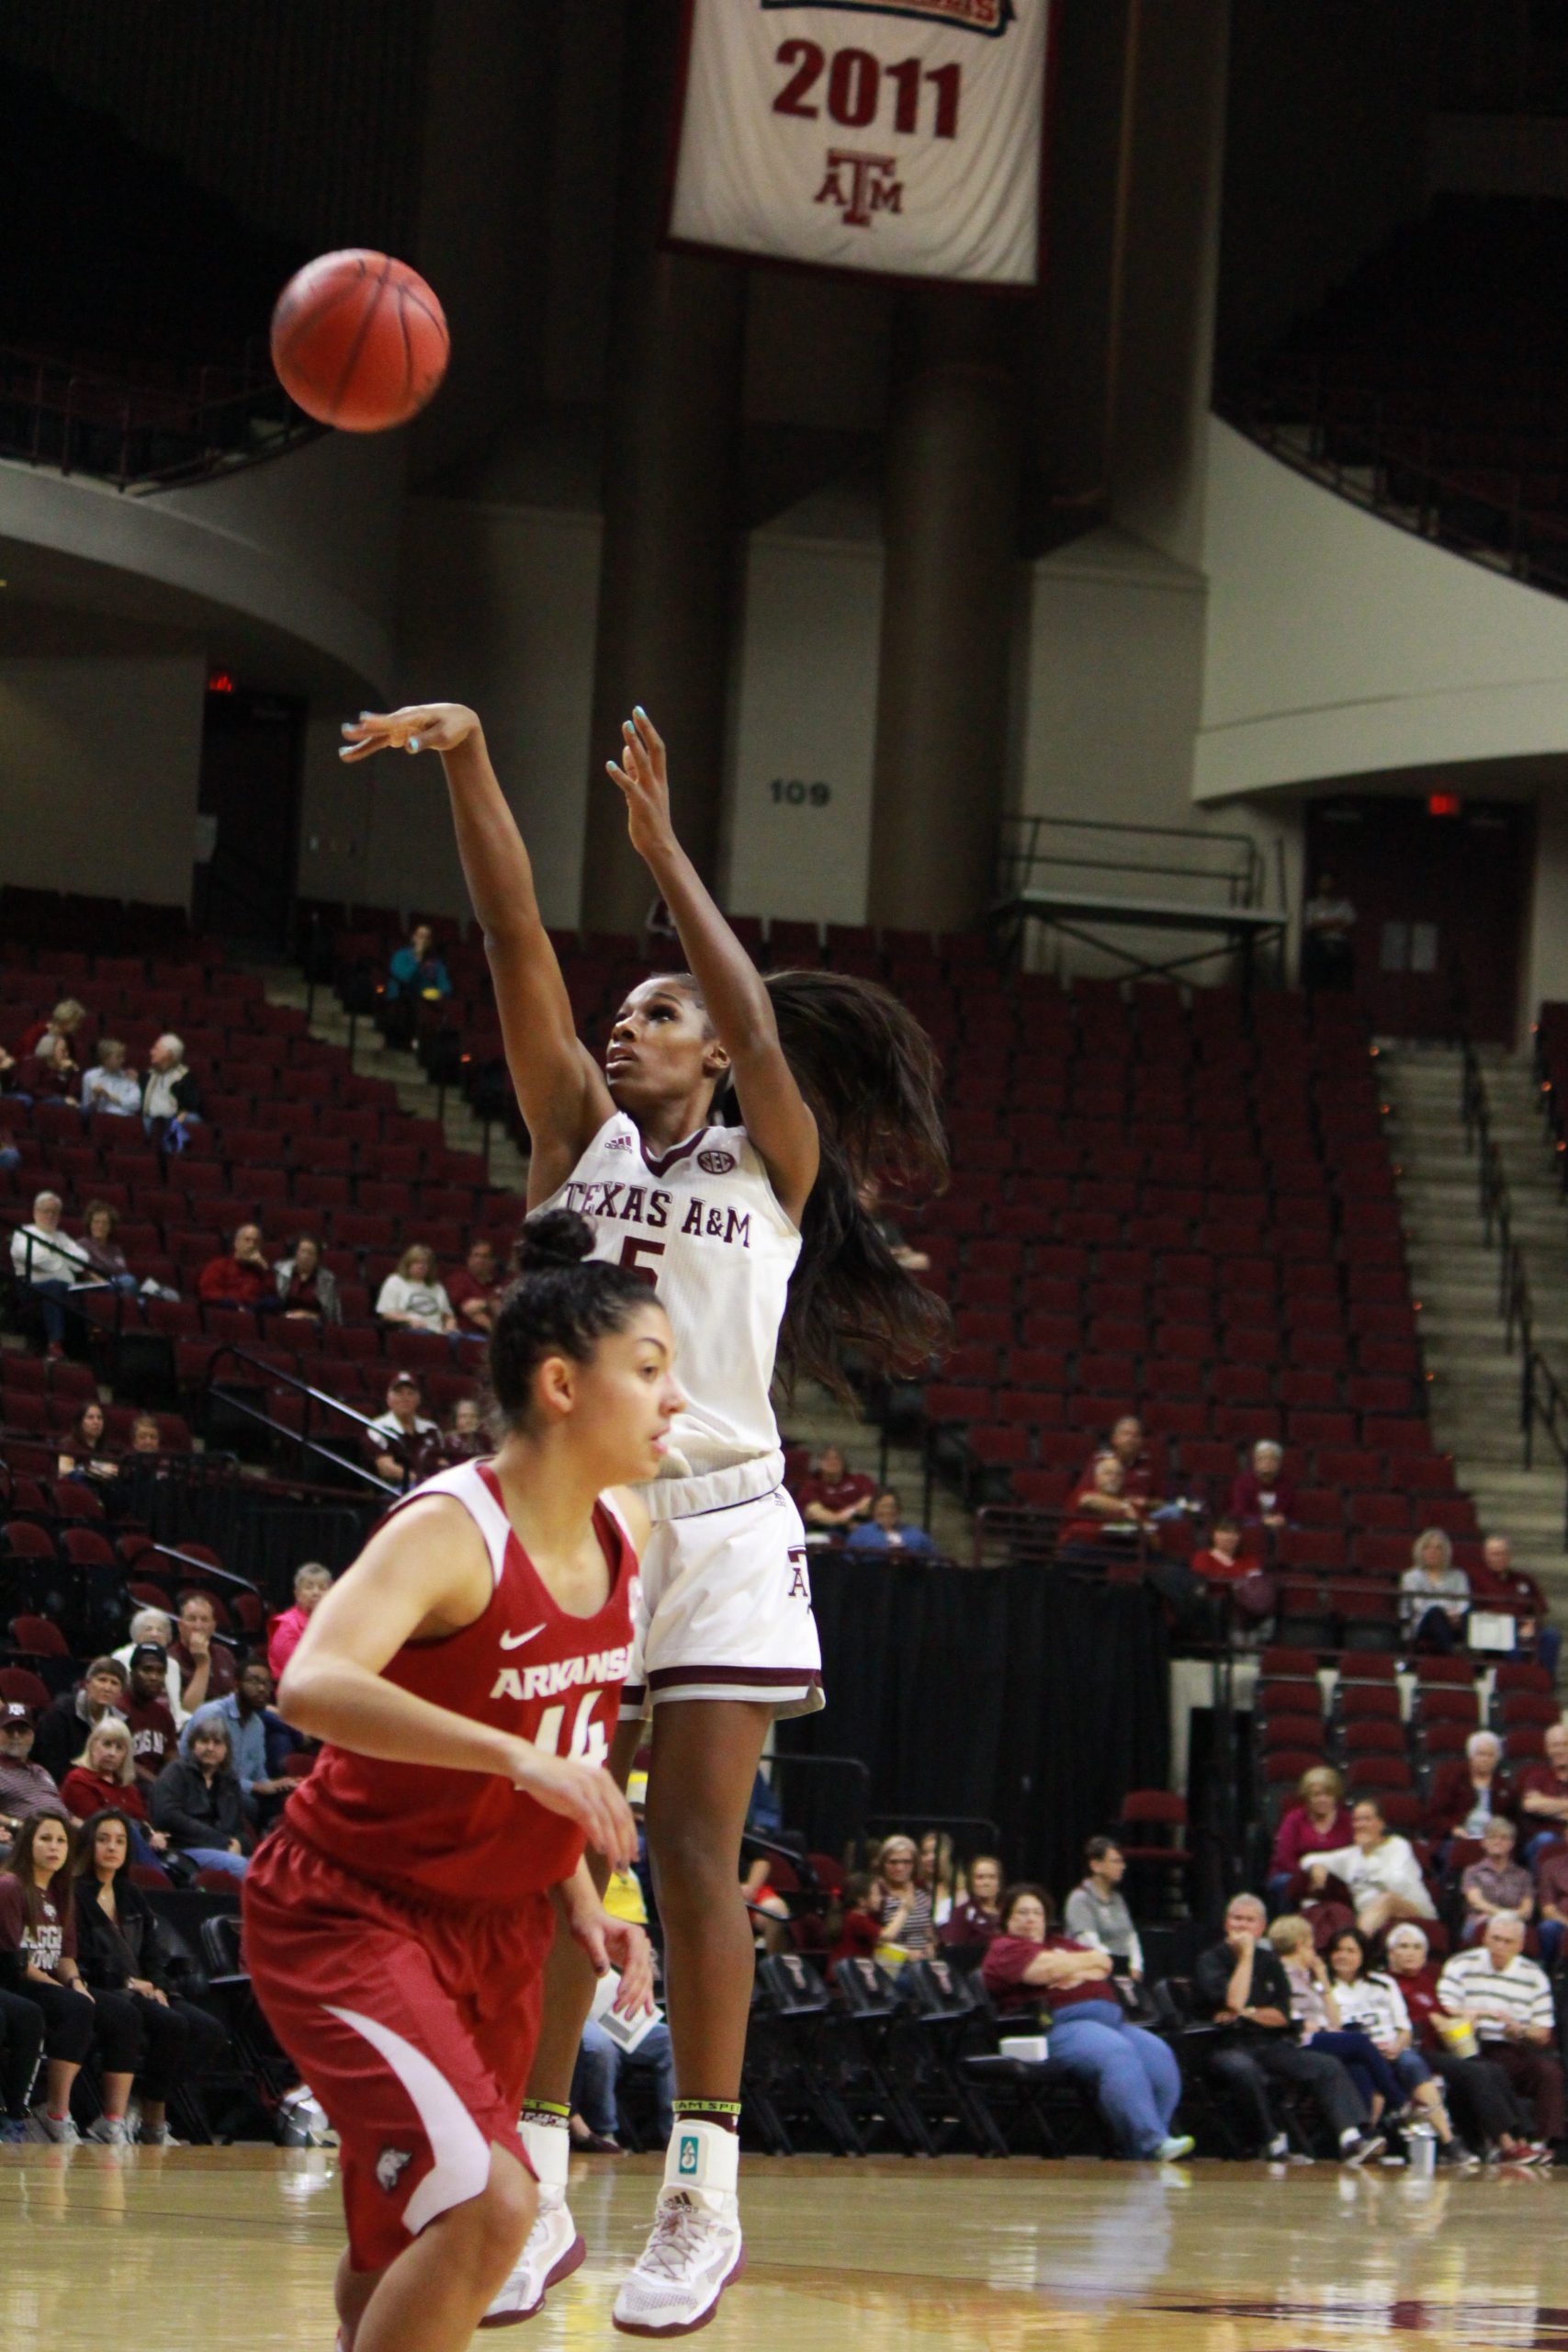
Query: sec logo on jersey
x,y
716,1163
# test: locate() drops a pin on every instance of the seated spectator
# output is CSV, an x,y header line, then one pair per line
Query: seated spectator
x,y
1551,1896
1496,1882
245,1715
206,1664
1316,2011
105,1774
1126,1444
25,1787
1317,1823
105,1258
242,1276
117,1949
935,1871
417,973
1371,2003
1497,1579
1100,1515
595,2081
415,1298
171,1099
1134,2074
1240,1983
146,1437
64,1724
196,1804
307,1289
1262,1496
1480,2094
38,1958
51,1075
1434,1596
1097,1909
399,1439
854,1929
835,1496
66,1022
475,1291
49,1264
312,1583
1380,1870
903,1906
467,1440
888,1531
153,1736
1222,1560
84,1453
110,1085
155,1628
977,1912
1469,1791
1543,1795
1507,2000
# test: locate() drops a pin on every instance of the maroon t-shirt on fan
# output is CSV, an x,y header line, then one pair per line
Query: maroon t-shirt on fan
x,y
1008,1957
153,1738
46,1942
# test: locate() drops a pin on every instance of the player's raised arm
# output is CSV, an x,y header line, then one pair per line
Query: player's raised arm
x,y
777,1117
424,1576
560,1089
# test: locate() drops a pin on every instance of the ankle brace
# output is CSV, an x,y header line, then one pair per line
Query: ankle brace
x,y
704,2157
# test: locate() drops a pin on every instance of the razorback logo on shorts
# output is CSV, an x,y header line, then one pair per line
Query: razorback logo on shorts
x,y
716,1163
390,2165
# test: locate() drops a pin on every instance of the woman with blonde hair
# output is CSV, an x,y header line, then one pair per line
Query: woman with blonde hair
x,y
902,1905
1315,1823
1433,1595
105,1775
415,1297
937,1873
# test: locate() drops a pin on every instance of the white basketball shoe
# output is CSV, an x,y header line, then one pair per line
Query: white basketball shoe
x,y
694,2249
554,2250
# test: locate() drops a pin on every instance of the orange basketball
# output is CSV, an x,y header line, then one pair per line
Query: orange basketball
x,y
360,341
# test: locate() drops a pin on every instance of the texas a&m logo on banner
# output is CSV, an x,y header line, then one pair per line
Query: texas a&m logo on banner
x,y
898,137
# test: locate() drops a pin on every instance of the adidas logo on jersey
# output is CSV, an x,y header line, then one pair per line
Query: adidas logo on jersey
x,y
526,1682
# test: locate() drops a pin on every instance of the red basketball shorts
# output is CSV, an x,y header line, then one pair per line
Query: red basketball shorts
x,y
413,2024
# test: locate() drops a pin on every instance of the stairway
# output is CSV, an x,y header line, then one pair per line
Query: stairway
x,y
1474,1391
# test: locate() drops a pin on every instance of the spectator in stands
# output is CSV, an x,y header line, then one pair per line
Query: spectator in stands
x,y
1240,1983
105,1774
49,1264
197,1803
1100,1518
977,1912
913,1262
146,1437
206,1664
1097,1909
835,1496
1371,2002
902,1905
1317,1823
51,1075
415,1298
1496,1882
1126,1443
1433,1595
467,1440
110,1085
306,1288
1263,1496
400,1439
1134,2074
1550,1894
599,2062
475,1289
1543,1795
118,1953
8,1076
1222,1561
1315,2009
154,1737
1481,2093
888,1531
24,1785
171,1099
1507,2000
21,2038
245,1714
64,1021
37,1953
105,1258
1379,1869
242,1276
417,975
155,1628
1328,938
1499,1579
1469,1791
64,1724
312,1582
937,1873
84,1453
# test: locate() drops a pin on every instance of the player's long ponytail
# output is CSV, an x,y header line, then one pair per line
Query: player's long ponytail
x,y
869,1074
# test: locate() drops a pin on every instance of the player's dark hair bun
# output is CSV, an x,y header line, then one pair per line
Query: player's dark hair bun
x,y
555,1238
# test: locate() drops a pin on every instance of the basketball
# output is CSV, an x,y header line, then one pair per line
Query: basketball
x,y
360,341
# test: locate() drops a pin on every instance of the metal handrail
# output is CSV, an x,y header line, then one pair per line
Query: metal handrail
x,y
274,1378
138,435
1020,853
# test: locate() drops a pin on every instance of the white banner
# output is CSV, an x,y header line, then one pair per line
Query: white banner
x,y
899,137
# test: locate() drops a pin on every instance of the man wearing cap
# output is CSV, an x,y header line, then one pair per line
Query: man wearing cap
x,y
25,1786
64,1724
398,1439
153,1737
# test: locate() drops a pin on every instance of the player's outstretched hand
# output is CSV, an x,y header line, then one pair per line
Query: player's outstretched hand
x,y
613,1943
643,776
420,727
584,1793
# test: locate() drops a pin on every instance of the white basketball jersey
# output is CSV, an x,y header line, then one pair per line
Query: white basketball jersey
x,y
703,1223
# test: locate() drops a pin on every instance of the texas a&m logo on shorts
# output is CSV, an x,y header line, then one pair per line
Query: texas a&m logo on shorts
x,y
990,17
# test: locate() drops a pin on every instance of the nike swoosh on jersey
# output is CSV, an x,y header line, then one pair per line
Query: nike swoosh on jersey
x,y
515,1641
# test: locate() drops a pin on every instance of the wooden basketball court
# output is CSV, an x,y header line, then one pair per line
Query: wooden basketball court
x,y
232,2250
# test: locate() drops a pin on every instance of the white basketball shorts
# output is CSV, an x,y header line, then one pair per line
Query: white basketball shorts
x,y
724,1610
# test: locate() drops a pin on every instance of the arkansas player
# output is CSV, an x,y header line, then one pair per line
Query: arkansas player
x,y
466,1673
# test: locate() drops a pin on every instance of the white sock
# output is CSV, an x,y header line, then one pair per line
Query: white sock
x,y
704,2157
548,2147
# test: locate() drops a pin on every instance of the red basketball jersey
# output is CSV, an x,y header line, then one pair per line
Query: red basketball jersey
x,y
524,1666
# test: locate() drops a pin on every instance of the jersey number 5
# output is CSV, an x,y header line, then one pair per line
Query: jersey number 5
x,y
588,1742
633,1251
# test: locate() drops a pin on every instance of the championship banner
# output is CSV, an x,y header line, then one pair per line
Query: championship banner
x,y
902,138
